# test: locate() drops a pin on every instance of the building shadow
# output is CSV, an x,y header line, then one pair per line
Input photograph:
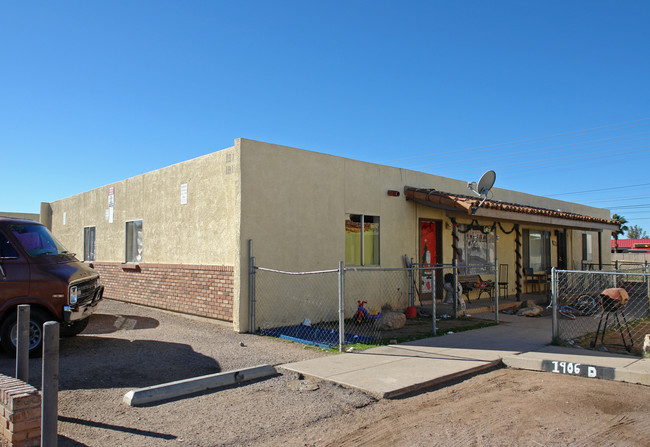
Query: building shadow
x,y
89,362
64,441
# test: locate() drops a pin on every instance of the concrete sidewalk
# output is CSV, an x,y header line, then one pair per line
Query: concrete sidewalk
x,y
518,342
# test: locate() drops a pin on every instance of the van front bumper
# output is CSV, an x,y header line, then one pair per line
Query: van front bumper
x,y
81,312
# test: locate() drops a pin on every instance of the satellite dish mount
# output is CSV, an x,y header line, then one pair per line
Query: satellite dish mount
x,y
483,187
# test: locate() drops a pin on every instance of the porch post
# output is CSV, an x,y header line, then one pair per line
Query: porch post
x,y
518,261
600,250
454,247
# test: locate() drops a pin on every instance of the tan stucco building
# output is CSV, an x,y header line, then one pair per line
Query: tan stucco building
x,y
177,238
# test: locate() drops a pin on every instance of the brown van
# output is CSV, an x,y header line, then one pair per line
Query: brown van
x,y
36,269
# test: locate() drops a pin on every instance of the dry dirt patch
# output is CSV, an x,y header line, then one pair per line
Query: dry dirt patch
x,y
128,346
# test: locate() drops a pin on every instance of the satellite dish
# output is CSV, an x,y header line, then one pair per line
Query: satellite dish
x,y
486,183
484,186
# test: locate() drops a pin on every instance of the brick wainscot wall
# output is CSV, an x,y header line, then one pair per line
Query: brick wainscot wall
x,y
203,290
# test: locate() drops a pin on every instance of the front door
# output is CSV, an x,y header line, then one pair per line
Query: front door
x,y
430,254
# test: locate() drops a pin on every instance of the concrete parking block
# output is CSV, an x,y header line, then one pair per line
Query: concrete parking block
x,y
171,390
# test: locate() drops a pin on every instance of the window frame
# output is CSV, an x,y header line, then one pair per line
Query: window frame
x,y
7,249
545,254
587,247
478,240
362,244
131,241
89,248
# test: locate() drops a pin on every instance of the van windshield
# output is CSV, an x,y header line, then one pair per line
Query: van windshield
x,y
37,240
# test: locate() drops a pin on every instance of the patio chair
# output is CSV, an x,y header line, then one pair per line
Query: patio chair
x,y
531,281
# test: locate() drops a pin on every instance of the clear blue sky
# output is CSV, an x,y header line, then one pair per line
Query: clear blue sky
x,y
95,92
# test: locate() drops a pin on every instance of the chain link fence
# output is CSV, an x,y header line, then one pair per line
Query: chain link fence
x,y
608,311
298,306
361,305
617,266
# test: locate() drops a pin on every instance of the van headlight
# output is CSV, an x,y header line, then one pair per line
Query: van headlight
x,y
74,292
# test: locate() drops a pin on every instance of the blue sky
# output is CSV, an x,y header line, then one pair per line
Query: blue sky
x,y
554,95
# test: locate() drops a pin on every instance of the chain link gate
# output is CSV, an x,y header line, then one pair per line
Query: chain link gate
x,y
607,311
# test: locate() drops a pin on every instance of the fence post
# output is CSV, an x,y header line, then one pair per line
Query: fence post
x,y
646,279
22,343
433,300
411,280
555,330
50,385
496,291
341,307
251,288
455,263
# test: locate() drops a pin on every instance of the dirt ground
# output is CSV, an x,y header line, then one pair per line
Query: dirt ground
x,y
128,346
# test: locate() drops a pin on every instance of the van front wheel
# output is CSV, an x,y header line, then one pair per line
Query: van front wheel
x,y
73,328
9,333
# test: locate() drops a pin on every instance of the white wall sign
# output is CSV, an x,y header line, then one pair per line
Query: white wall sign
x,y
184,194
111,204
111,197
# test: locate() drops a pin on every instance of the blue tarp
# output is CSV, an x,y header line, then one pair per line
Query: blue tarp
x,y
309,335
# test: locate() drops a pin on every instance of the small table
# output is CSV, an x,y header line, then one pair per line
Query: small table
x,y
538,279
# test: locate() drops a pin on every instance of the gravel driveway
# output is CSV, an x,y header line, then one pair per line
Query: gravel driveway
x,y
127,346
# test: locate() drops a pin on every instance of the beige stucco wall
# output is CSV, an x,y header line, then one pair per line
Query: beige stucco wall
x,y
203,231
631,258
296,198
294,204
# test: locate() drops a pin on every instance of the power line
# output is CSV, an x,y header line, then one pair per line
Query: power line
x,y
538,151
598,190
618,199
554,162
539,163
631,207
532,140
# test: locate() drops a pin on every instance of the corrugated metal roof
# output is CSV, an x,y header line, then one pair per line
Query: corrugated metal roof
x,y
468,204
629,243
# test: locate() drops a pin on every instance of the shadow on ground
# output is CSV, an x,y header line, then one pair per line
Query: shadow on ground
x,y
89,362
120,428
108,324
